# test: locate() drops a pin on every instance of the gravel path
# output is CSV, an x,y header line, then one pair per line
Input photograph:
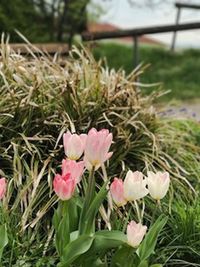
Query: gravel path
x,y
182,110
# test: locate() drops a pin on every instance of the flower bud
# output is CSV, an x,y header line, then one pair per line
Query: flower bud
x,y
135,233
134,186
64,186
97,146
117,192
74,168
74,145
158,184
2,188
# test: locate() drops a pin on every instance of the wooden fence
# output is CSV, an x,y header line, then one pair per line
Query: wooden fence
x,y
135,33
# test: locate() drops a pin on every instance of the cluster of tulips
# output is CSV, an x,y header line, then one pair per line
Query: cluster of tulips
x,y
95,147
75,217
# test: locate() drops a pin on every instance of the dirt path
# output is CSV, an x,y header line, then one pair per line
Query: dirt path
x,y
182,110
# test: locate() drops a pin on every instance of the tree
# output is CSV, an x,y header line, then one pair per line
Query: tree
x,y
44,20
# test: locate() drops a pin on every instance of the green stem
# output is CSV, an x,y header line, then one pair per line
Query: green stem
x,y
91,189
90,193
137,210
154,212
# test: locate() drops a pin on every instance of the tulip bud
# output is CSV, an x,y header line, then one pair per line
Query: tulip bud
x,y
2,187
158,184
134,186
117,192
135,233
74,168
97,146
74,145
64,186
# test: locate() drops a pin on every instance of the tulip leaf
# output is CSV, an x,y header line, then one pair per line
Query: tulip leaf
x,y
125,257
87,221
103,241
62,226
3,239
74,249
94,263
148,245
143,264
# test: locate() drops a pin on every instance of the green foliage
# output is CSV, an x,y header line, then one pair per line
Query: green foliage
x,y
148,245
172,70
181,244
39,101
43,20
3,239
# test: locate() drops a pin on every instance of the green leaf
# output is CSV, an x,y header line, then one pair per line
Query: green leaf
x,y
143,264
63,234
156,265
73,220
125,257
148,245
3,239
75,248
105,240
87,220
94,263
62,226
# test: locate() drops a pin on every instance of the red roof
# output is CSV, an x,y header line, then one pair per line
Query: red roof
x,y
106,27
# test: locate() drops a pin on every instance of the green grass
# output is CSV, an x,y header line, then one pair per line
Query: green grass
x,y
178,72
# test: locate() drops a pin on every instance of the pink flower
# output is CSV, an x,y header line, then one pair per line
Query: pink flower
x,y
74,145
158,184
135,233
97,146
117,192
74,168
64,186
2,187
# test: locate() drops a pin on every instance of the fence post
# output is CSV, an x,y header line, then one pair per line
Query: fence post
x,y
135,51
175,32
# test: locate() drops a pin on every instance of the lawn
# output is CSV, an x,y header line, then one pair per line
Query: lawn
x,y
178,72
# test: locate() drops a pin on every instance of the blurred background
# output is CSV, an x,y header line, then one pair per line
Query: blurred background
x,y
172,60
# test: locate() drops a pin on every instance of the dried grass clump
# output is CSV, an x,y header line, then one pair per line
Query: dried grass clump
x,y
40,100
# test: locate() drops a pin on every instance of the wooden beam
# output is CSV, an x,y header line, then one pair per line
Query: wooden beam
x,y
50,48
175,32
91,36
184,5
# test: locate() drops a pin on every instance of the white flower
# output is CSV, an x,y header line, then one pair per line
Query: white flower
x,y
134,186
158,184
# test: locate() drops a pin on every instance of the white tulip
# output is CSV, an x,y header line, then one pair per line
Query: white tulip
x,y
158,184
135,233
134,186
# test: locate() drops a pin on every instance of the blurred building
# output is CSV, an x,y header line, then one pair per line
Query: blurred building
x,y
106,27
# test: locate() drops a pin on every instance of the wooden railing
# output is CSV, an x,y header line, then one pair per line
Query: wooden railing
x,y
137,32
179,7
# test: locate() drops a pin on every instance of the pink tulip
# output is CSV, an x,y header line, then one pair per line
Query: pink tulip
x,y
74,145
74,168
97,146
117,192
64,186
135,233
158,184
2,187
